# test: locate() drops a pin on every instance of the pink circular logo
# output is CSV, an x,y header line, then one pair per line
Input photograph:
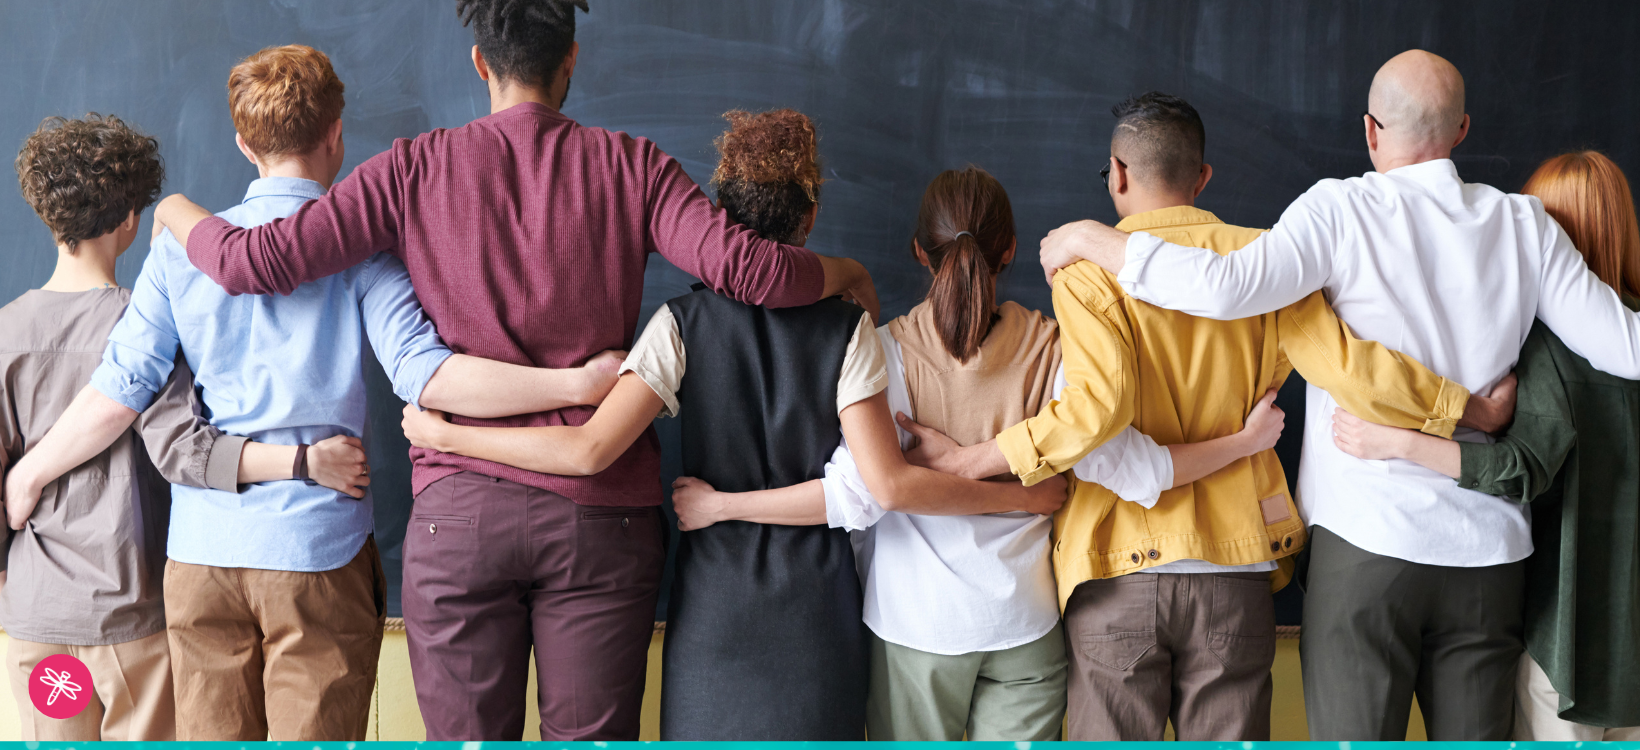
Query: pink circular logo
x,y
60,686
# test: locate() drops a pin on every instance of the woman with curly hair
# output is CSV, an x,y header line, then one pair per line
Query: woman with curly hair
x,y
764,635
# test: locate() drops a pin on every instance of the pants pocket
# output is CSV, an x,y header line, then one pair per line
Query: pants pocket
x,y
1113,621
1242,630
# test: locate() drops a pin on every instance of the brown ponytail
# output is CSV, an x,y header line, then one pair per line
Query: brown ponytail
x,y
965,227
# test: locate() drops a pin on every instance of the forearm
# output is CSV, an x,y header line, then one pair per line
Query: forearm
x,y
260,462
925,492
1193,461
841,274
978,461
89,425
484,388
1433,453
568,451
798,505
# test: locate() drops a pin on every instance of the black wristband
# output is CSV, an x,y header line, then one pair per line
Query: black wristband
x,y
300,469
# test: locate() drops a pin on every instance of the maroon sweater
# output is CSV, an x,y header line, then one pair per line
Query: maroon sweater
x,y
526,236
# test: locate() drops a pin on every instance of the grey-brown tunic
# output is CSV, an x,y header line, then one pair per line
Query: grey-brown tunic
x,y
86,569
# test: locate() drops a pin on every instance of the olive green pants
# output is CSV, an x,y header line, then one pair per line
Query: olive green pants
x,y
1011,695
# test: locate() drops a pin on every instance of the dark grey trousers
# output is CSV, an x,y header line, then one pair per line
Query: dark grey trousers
x,y
1379,630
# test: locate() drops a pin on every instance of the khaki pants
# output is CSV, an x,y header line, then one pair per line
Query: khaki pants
x,y
1537,709
267,654
1014,694
1148,647
131,699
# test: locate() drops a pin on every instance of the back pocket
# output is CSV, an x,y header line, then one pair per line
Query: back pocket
x,y
1113,621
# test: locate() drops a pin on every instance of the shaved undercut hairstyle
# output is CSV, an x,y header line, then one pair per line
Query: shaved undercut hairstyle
x,y
1160,138
523,41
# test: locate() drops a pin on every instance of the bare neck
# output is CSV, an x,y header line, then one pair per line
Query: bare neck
x,y
506,95
1138,202
91,266
306,167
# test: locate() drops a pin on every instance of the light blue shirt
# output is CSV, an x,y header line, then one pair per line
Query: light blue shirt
x,y
279,370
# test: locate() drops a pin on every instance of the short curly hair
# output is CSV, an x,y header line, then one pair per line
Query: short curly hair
x,y
83,177
768,176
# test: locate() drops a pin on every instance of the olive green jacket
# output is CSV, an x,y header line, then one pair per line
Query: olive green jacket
x,y
1573,452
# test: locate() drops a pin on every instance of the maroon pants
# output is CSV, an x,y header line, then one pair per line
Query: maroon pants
x,y
492,568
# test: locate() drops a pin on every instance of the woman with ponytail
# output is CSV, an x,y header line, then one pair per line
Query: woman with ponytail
x,y
960,597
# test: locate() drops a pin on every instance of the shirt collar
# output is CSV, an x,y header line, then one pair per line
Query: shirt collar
x,y
1426,172
293,187
1173,216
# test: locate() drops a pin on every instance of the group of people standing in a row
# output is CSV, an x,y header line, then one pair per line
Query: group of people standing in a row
x,y
900,585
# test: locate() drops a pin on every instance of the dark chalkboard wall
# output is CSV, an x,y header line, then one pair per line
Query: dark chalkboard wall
x,y
900,90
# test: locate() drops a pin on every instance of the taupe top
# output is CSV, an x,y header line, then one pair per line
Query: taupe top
x,y
86,570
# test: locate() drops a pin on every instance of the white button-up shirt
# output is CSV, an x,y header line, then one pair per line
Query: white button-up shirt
x,y
1448,272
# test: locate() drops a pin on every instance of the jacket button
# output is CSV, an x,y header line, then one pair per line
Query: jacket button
x,y
1135,558
1154,554
1288,543
432,528
625,522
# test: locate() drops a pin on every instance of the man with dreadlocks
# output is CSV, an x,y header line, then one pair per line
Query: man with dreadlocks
x,y
526,236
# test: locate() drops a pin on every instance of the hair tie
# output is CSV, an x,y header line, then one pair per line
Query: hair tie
x,y
959,234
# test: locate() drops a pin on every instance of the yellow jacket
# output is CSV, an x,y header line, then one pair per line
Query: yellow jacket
x,y
1180,379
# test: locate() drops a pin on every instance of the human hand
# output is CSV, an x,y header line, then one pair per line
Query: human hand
x,y
425,429
179,215
1046,497
1083,240
600,373
1263,426
339,463
1368,440
21,495
697,503
934,449
863,292
1495,410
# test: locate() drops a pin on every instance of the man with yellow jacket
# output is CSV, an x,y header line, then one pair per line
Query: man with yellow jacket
x,y
1192,637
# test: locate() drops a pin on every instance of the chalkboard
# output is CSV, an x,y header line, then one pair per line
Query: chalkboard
x,y
900,90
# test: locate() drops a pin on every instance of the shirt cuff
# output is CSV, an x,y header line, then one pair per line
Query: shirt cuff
x,y
420,371
656,384
222,470
1449,406
1023,459
1140,246
1473,465
123,389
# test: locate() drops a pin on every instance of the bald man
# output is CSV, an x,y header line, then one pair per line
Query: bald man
x,y
1415,582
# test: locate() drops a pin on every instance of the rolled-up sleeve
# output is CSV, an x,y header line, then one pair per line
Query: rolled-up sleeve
x,y
849,504
142,348
403,338
659,359
1101,376
1131,465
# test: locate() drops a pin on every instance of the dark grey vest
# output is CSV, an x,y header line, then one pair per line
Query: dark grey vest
x,y
764,638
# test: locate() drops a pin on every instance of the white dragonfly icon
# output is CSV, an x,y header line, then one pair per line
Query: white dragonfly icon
x,y
60,685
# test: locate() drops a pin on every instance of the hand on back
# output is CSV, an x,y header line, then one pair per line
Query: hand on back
x,y
1368,440
697,503
1046,497
1495,410
601,372
1264,424
339,463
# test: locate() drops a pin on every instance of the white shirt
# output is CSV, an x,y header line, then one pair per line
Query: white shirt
x,y
1448,272
960,584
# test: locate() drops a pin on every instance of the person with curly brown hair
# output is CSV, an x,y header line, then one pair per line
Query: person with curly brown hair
x,y
764,638
83,567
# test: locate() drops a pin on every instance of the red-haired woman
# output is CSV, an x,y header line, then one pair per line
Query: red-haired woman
x,y
1573,452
